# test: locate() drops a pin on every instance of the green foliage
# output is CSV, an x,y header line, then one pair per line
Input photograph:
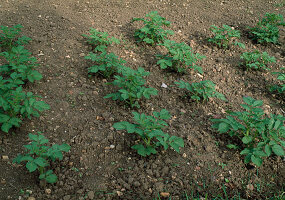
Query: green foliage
x,y
201,91
149,129
15,104
39,156
266,30
20,61
224,36
100,40
152,33
9,37
179,57
131,85
280,76
261,136
106,63
256,60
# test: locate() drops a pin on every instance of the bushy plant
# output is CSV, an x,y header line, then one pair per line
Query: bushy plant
x,y
261,136
266,30
201,91
281,77
15,104
39,156
149,130
9,37
131,84
100,40
179,57
152,33
19,61
224,36
256,60
105,63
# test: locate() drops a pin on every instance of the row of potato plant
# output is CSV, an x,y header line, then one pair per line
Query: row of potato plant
x,y
19,67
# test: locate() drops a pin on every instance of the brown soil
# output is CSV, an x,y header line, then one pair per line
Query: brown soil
x,y
81,117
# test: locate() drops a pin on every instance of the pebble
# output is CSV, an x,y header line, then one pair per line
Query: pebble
x,y
31,198
67,197
5,158
91,195
48,191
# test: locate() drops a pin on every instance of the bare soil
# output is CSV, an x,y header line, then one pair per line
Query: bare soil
x,y
101,164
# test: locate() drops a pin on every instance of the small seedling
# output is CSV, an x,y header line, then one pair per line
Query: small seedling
x,y
266,30
9,37
260,135
179,57
152,33
39,156
224,36
131,85
281,77
256,60
201,91
106,63
100,40
149,129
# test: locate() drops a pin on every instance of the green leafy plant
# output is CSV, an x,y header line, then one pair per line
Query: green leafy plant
x,y
266,30
100,40
152,33
224,36
201,91
106,63
261,136
256,60
149,129
19,60
132,87
179,57
280,76
9,37
15,104
39,156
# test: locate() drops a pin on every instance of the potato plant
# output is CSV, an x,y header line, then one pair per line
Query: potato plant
x,y
223,37
152,33
256,60
179,57
131,84
267,30
201,91
39,156
281,77
149,130
260,136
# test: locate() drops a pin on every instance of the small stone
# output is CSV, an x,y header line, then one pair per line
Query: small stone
x,y
82,54
67,197
163,85
91,195
5,158
48,191
137,184
119,193
31,198
164,194
112,146
3,181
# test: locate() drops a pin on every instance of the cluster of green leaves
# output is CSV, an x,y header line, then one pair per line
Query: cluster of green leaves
x,y
39,156
179,57
106,63
100,40
9,37
131,84
201,91
261,136
18,67
149,129
224,36
19,61
266,30
281,77
152,33
256,60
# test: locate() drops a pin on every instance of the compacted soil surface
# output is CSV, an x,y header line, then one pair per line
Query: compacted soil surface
x,y
101,163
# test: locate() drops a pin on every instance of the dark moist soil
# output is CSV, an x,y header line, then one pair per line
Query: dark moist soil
x,y
101,164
